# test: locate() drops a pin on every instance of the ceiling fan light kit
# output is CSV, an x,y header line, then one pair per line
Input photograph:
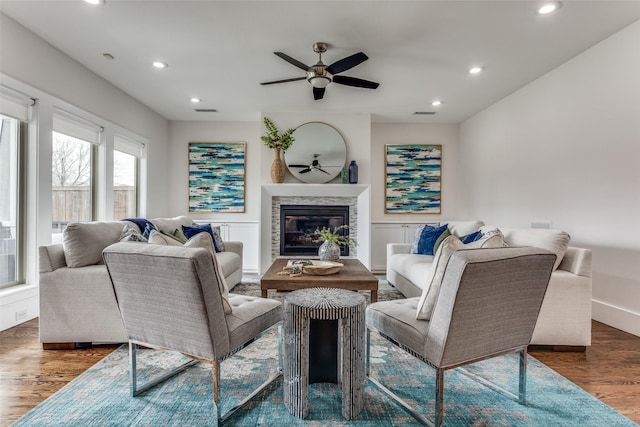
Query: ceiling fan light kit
x,y
321,75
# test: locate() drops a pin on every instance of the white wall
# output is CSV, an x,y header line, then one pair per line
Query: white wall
x,y
414,133
566,149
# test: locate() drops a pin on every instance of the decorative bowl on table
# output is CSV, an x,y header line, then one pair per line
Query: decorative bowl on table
x,y
322,268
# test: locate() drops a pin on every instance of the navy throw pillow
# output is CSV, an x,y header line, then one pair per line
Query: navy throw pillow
x,y
147,230
191,230
472,237
430,237
140,222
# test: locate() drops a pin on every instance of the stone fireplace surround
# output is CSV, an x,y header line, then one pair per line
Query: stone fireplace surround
x,y
356,196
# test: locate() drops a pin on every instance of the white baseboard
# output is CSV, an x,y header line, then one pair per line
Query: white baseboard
x,y
617,317
18,304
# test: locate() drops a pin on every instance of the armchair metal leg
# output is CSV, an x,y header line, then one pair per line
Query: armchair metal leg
x,y
439,395
215,368
385,390
135,390
523,377
216,379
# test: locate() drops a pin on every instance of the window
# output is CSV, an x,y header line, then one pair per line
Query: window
x,y
10,203
71,179
72,171
15,112
126,158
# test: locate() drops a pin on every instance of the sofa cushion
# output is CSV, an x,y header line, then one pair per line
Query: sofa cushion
x,y
462,228
431,238
451,244
555,241
430,292
471,237
169,225
199,240
158,238
217,239
132,234
84,241
216,236
147,230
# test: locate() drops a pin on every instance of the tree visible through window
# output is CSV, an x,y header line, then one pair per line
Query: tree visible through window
x,y
71,167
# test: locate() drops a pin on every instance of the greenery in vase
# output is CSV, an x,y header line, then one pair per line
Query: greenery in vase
x,y
333,235
274,139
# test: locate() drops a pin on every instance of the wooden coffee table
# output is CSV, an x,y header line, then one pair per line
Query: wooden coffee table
x,y
353,276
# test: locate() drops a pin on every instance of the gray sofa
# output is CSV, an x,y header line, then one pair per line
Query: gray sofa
x,y
564,321
77,302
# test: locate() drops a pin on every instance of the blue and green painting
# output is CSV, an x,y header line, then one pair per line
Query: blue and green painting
x,y
216,177
413,178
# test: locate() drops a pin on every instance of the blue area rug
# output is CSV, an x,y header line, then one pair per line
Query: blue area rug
x,y
100,396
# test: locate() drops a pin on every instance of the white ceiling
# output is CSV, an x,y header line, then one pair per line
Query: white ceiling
x,y
418,51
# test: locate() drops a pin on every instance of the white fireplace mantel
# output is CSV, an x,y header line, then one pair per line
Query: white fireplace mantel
x,y
360,191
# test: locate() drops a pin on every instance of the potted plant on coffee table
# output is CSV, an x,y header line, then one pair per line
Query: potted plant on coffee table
x,y
332,239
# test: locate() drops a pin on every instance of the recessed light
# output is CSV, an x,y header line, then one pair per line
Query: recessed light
x,y
160,64
436,103
107,55
424,113
96,2
475,70
549,8
195,100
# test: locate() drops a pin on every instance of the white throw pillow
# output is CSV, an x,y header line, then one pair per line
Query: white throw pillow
x,y
449,245
200,240
157,238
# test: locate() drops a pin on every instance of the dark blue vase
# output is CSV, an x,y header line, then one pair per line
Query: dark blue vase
x,y
353,172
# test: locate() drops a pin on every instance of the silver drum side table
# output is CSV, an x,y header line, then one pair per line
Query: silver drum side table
x,y
300,309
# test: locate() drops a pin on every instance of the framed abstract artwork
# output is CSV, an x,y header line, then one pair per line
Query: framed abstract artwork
x,y
413,175
216,177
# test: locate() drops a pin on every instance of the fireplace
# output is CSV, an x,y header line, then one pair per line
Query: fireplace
x,y
299,222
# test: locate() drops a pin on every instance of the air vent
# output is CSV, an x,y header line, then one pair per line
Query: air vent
x,y
206,110
424,113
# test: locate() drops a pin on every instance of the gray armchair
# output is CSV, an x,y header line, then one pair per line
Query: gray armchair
x,y
170,298
487,306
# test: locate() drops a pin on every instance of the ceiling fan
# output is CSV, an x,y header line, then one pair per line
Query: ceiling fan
x,y
320,74
315,165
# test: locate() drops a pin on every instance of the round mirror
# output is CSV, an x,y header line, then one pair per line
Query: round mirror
x,y
318,153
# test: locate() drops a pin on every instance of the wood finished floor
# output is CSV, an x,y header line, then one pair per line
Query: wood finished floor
x,y
609,369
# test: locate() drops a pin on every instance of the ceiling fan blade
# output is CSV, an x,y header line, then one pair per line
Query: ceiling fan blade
x,y
283,81
353,81
346,63
322,170
318,93
305,170
292,61
298,166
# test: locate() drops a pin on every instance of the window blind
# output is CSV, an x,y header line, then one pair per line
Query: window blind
x,y
127,145
15,104
76,126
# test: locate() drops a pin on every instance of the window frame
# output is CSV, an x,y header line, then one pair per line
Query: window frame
x,y
20,203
